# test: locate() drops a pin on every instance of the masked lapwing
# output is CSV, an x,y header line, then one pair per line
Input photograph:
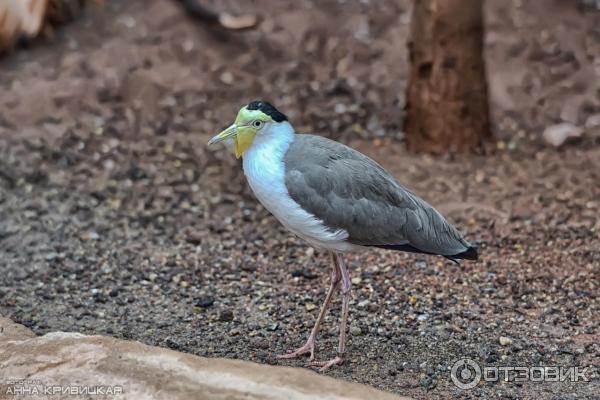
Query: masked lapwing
x,y
335,198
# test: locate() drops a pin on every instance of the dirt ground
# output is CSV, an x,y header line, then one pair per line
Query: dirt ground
x,y
115,219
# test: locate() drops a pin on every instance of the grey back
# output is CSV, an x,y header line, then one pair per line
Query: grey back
x,y
348,190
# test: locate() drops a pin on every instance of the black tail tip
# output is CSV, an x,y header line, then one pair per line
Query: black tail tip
x,y
469,254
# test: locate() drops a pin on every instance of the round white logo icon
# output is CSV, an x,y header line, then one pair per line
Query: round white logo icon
x,y
465,373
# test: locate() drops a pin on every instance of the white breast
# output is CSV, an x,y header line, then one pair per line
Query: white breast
x,y
265,171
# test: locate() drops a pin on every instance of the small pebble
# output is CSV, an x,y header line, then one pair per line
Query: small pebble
x,y
227,78
205,301
89,236
355,330
505,341
302,273
363,304
226,316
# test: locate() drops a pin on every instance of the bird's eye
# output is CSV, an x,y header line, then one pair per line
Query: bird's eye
x,y
257,123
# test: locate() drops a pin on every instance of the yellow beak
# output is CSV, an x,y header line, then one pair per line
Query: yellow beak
x,y
242,137
230,132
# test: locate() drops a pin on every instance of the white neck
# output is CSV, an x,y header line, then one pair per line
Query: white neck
x,y
272,137
265,171
264,157
264,167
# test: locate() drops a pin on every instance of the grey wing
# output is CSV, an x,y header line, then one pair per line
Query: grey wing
x,y
348,190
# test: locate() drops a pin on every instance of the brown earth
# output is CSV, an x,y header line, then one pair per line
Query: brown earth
x,y
115,219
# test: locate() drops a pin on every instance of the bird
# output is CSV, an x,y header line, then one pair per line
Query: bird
x,y
336,199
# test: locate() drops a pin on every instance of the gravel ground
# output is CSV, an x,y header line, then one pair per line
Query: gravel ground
x,y
115,219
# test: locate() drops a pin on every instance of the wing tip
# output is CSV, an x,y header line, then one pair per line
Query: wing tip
x,y
471,253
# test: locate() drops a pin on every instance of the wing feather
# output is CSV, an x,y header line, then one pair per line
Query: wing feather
x,y
348,190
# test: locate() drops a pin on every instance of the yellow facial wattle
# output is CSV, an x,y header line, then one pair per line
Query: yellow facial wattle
x,y
243,140
247,124
246,131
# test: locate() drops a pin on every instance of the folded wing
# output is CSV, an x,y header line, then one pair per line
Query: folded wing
x,y
348,190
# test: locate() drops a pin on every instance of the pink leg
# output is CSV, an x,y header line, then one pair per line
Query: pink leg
x,y
309,346
346,290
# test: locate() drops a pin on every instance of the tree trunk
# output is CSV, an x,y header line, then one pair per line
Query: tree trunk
x,y
447,104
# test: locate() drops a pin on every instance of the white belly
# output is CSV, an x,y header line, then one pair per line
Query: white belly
x,y
265,171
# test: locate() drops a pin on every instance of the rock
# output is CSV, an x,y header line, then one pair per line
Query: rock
x,y
303,273
86,236
10,331
227,78
132,370
355,330
505,341
226,316
194,238
428,383
363,303
593,121
556,135
422,317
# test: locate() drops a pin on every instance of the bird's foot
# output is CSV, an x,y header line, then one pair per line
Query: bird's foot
x,y
309,347
325,365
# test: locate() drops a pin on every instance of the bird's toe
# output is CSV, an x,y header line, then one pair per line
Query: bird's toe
x,y
325,365
309,347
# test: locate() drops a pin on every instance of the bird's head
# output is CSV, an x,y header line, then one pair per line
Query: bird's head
x,y
253,119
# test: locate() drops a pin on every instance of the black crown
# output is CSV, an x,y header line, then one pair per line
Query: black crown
x,y
268,109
